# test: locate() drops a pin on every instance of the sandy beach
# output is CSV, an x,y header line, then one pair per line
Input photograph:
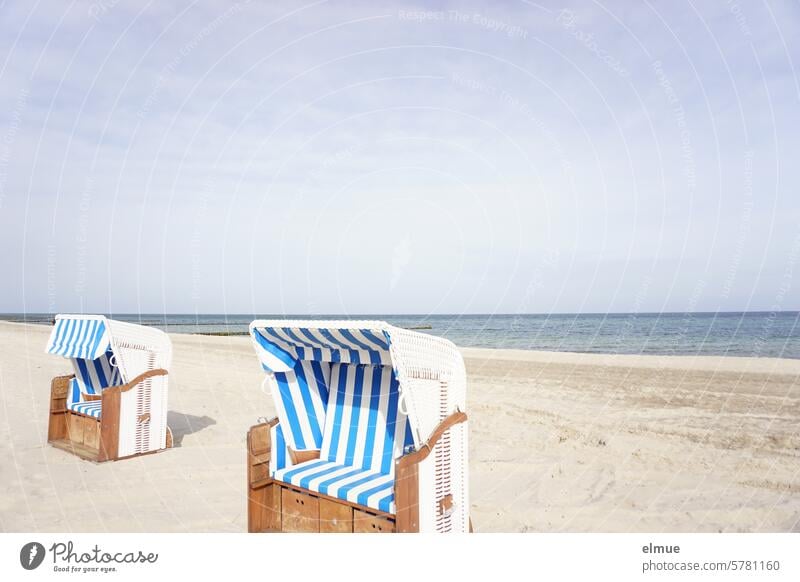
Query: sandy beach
x,y
558,442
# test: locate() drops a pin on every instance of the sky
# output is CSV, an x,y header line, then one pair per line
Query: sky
x,y
384,157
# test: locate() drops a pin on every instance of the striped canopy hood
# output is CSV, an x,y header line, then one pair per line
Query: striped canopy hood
x,y
79,336
429,371
281,344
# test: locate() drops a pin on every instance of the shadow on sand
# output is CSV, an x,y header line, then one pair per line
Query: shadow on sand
x,y
182,424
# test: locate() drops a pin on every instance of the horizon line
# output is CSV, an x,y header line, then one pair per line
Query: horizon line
x,y
197,314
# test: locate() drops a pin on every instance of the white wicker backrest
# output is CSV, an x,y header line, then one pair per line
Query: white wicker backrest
x,y
138,348
432,379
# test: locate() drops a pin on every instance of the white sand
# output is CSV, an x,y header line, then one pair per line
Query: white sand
x,y
559,442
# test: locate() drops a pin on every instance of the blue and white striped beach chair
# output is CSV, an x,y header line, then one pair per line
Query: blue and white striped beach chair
x,y
114,405
370,433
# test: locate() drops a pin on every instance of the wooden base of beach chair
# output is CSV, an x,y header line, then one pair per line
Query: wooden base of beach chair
x,y
263,497
81,451
80,434
57,425
279,508
273,506
89,438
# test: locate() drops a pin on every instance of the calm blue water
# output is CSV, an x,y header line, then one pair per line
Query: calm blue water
x,y
761,334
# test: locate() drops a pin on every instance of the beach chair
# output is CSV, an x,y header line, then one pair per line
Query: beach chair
x,y
370,434
114,405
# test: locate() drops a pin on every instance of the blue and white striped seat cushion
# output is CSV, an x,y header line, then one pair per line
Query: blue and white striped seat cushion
x,y
364,433
87,408
375,490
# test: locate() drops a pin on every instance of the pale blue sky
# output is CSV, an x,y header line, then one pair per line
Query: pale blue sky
x,y
398,158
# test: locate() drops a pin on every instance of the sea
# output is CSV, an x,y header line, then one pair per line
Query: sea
x,y
757,334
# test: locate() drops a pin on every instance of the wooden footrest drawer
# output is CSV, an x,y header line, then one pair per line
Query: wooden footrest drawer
x,y
300,512
335,517
364,522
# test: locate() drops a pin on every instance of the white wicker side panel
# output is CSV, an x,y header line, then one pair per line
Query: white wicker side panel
x,y
138,350
165,361
147,435
459,481
444,473
160,388
134,437
127,424
427,495
433,383
158,413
